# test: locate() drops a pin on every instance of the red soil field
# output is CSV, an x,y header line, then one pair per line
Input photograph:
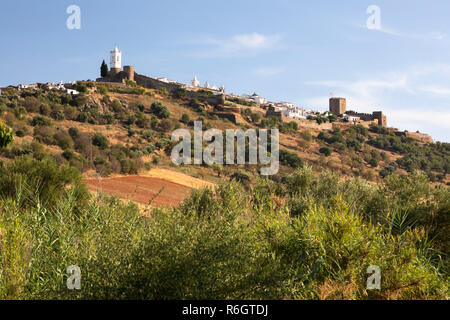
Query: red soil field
x,y
141,189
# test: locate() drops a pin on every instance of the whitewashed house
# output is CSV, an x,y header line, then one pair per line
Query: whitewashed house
x,y
351,119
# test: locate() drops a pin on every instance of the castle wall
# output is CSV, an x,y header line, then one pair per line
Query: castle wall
x,y
129,70
150,83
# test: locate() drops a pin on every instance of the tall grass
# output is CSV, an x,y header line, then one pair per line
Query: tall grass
x,y
230,243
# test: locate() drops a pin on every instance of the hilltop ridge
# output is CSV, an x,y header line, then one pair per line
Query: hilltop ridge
x,y
125,128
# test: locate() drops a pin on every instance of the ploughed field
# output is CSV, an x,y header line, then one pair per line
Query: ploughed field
x,y
141,189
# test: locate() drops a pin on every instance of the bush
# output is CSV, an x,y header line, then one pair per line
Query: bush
x,y
116,106
102,90
159,110
290,159
45,182
167,125
163,92
373,162
74,132
6,136
185,118
326,151
63,140
41,121
32,104
100,141
80,87
265,251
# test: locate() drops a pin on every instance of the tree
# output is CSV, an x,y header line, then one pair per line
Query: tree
x,y
104,69
6,136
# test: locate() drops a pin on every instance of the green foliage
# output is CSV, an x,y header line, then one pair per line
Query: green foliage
x,y
326,151
290,159
40,182
240,101
185,118
181,93
80,87
41,121
104,69
230,243
287,126
270,122
100,141
159,110
163,91
6,135
131,83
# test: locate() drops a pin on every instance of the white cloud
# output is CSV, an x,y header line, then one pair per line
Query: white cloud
x,y
435,35
269,71
436,90
236,45
251,41
429,35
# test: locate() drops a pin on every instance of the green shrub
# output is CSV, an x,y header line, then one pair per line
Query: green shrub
x,y
290,159
185,118
159,110
46,182
6,136
41,121
63,140
100,141
326,151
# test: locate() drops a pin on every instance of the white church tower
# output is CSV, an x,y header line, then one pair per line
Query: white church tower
x,y
195,82
115,61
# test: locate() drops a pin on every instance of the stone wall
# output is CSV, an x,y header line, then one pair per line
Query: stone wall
x,y
151,83
422,137
233,117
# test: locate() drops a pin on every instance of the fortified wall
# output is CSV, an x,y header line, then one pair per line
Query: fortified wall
x,y
377,116
271,112
422,137
129,73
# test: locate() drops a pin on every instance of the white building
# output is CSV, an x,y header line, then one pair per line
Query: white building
x,y
163,80
56,86
26,86
297,113
254,98
352,119
116,59
206,85
257,99
72,91
195,82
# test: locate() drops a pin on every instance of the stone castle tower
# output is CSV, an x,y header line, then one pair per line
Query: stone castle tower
x,y
338,105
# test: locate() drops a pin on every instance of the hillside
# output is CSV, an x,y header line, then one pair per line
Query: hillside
x,y
342,202
113,129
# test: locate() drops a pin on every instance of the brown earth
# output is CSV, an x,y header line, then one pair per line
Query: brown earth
x,y
142,190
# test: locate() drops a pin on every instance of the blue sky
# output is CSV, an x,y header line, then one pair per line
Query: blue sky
x,y
298,51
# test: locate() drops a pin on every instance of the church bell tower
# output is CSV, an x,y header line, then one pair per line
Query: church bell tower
x,y
115,61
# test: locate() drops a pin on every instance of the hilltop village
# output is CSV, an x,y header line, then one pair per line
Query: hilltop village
x,y
285,111
221,103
